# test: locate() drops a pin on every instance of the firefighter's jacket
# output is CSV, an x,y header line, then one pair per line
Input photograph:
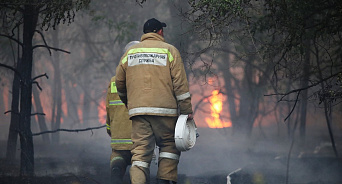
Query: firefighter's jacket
x,y
151,79
118,124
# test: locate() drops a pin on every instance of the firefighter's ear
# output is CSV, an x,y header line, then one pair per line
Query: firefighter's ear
x,y
160,32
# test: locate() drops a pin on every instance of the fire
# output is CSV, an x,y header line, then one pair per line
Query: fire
x,y
102,113
79,109
64,105
216,108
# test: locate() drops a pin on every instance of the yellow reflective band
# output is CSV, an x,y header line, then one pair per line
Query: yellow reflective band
x,y
121,141
124,60
113,88
108,126
115,102
150,50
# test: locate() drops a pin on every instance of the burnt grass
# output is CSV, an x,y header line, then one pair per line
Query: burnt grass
x,y
84,159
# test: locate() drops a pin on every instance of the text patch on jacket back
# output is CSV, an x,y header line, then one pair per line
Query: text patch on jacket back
x,y
159,59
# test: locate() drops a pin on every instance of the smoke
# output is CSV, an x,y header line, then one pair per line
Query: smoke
x,y
217,153
259,159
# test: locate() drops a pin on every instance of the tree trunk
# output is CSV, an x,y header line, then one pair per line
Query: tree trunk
x,y
71,97
86,108
304,94
240,121
228,78
14,125
30,18
327,106
249,100
41,118
57,112
327,112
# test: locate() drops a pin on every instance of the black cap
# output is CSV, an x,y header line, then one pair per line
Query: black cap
x,y
153,25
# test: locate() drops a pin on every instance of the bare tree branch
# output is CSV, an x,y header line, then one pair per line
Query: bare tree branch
x,y
41,34
293,106
13,39
42,75
301,89
199,102
53,48
35,82
13,69
10,111
68,130
140,2
38,113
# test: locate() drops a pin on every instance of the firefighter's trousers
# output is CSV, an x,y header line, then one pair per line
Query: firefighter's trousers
x,y
119,160
146,132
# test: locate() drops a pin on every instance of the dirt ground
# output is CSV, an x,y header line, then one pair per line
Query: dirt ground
x,y
83,158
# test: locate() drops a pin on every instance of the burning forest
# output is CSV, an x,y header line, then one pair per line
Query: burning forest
x,y
265,79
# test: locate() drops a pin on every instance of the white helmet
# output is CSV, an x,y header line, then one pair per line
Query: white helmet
x,y
185,133
130,44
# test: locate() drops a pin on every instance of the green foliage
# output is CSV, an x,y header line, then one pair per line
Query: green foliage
x,y
300,20
216,15
217,9
331,93
287,35
55,12
51,12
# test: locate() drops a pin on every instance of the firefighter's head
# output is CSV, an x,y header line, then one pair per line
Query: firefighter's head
x,y
154,26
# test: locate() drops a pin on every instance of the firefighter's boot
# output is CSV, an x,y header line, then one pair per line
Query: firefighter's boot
x,y
118,170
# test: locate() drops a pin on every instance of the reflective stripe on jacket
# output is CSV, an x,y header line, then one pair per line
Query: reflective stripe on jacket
x,y
151,79
117,119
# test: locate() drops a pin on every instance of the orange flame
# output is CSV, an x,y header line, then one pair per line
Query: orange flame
x,y
216,107
64,104
79,108
102,113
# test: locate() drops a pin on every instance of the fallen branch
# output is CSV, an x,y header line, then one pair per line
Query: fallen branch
x,y
68,130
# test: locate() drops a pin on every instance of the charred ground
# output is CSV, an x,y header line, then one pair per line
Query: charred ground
x,y
84,158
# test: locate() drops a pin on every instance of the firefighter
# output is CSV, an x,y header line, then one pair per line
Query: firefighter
x,y
119,128
152,82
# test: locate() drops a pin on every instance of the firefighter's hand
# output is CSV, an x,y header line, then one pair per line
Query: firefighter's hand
x,y
190,117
